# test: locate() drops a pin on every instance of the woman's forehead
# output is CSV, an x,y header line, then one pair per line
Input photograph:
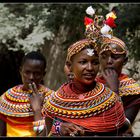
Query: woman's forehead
x,y
32,62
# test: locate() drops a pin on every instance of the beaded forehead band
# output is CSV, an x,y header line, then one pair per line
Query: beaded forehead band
x,y
78,46
115,45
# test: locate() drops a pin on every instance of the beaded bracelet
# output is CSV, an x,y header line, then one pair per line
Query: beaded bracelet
x,y
38,126
128,121
57,125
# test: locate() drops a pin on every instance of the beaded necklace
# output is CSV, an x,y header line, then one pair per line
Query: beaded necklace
x,y
15,101
129,86
67,105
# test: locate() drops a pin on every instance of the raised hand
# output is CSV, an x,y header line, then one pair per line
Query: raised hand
x,y
111,77
35,100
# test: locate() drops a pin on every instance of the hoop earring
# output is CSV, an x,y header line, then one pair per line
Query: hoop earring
x,y
71,76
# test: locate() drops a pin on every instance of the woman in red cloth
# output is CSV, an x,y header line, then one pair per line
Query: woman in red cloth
x,y
113,56
90,107
112,59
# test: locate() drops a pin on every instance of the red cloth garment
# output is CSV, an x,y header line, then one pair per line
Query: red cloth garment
x,y
101,107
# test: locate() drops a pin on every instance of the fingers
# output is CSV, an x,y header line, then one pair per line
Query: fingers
x,y
109,72
78,130
33,88
71,130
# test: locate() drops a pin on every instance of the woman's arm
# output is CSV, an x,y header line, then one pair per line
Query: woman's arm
x,y
2,128
132,112
36,104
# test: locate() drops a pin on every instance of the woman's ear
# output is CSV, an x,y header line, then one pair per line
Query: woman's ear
x,y
20,70
125,60
68,63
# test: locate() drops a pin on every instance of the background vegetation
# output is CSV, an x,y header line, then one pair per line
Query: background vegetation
x,y
51,28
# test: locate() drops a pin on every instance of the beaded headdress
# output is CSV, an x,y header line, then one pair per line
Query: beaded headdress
x,y
100,30
78,46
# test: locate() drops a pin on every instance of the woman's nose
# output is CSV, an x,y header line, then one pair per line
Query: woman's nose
x,y
89,66
109,60
31,76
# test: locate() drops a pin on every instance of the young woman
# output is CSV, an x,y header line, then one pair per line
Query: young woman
x,y
20,106
112,59
87,106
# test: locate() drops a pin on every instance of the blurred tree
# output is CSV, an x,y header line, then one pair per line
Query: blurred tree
x,y
51,28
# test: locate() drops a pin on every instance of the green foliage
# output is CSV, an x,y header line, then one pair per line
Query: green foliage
x,y
27,26
22,26
129,28
71,16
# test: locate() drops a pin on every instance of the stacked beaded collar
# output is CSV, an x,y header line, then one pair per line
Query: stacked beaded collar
x,y
95,102
15,101
129,86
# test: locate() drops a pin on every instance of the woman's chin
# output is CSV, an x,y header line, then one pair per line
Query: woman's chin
x,y
88,82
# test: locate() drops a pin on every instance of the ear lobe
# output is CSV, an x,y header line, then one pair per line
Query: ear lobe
x,y
68,63
125,60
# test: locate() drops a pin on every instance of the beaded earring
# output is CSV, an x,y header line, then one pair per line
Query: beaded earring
x,y
71,75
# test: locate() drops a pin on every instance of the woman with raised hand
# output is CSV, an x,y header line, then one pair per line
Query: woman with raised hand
x,y
21,105
112,59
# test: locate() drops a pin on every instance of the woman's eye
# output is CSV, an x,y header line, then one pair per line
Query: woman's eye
x,y
95,62
115,56
82,62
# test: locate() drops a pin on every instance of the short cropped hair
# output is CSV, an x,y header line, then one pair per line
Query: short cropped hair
x,y
34,55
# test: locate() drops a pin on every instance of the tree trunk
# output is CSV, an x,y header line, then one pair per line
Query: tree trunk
x,y
55,56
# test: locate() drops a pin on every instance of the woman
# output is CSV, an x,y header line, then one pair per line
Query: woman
x,y
20,106
90,107
112,58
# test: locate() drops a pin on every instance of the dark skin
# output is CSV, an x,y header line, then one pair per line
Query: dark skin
x,y
85,69
32,73
111,67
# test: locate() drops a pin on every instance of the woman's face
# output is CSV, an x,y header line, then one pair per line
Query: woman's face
x,y
85,67
110,60
32,71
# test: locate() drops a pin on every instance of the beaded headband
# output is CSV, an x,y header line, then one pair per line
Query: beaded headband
x,y
100,31
115,45
78,46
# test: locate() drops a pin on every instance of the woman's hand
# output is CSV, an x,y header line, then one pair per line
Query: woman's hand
x,y
111,77
35,100
70,129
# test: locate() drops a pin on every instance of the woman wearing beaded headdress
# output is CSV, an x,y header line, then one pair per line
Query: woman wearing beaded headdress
x,y
86,105
113,57
20,106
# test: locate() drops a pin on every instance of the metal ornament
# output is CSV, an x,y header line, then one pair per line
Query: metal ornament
x,y
90,52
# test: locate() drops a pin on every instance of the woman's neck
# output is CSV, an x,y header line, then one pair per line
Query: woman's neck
x,y
80,88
